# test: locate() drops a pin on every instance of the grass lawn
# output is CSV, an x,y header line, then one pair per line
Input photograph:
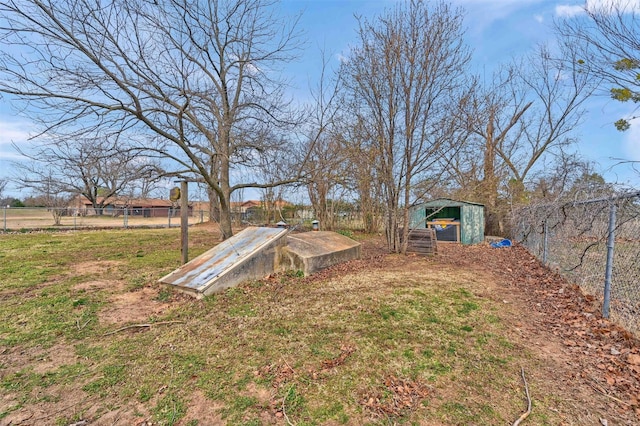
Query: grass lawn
x,y
86,333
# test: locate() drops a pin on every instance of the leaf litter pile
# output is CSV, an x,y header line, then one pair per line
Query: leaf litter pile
x,y
595,353
387,339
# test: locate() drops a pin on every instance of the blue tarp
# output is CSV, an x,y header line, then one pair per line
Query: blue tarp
x,y
501,244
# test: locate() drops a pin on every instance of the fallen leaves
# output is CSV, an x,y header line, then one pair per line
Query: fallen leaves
x,y
633,359
604,352
398,397
345,352
282,375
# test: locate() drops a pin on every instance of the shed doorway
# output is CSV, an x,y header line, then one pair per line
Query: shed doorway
x,y
445,221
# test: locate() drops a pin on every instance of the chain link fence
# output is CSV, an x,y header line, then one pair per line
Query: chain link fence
x,y
593,243
22,219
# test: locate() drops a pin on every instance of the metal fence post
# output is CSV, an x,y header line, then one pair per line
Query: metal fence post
x,y
609,267
184,220
169,216
5,218
126,218
545,242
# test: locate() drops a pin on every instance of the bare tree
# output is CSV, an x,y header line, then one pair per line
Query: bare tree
x,y
3,186
323,153
327,178
607,35
570,179
492,114
273,171
45,193
237,198
202,77
558,89
98,170
362,171
530,112
404,77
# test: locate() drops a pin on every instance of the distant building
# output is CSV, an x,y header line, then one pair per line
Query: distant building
x,y
116,206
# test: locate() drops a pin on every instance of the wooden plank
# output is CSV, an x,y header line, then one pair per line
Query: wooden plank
x,y
422,241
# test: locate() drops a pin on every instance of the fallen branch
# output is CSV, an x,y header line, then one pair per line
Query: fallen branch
x,y
526,390
142,326
80,327
284,413
602,391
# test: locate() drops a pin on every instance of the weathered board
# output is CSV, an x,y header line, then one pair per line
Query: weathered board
x,y
422,241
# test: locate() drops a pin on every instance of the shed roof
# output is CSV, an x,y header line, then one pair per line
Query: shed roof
x,y
443,202
81,200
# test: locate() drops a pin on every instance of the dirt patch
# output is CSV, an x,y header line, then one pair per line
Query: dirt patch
x,y
63,403
42,360
203,410
133,414
95,267
263,395
53,358
97,285
59,402
133,306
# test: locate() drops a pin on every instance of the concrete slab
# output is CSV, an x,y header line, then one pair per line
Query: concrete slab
x,y
312,251
251,254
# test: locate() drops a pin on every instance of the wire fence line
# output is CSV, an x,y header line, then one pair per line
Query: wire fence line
x,y
593,243
23,219
16,219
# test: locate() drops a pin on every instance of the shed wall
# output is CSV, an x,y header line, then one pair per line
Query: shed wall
x,y
472,224
416,218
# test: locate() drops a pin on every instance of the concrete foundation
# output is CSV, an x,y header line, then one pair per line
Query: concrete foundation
x,y
312,251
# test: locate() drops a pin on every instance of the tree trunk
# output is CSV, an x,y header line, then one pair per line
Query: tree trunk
x,y
490,181
393,237
225,218
225,201
318,194
214,205
405,216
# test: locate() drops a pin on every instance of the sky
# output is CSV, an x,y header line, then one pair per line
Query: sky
x,y
497,30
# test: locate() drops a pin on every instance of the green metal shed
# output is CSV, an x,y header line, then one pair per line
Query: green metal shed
x,y
454,221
